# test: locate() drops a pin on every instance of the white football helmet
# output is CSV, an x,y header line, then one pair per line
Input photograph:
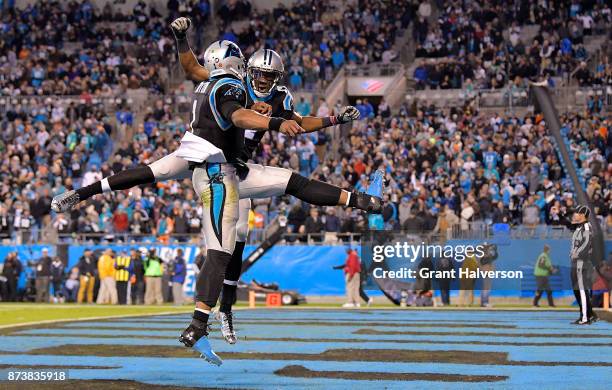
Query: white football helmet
x,y
264,69
224,57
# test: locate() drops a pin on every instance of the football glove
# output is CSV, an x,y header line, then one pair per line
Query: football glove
x,y
180,27
348,114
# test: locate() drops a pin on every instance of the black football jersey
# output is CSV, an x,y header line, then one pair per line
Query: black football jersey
x,y
214,102
281,101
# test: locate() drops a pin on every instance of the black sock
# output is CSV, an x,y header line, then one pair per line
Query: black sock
x,y
89,191
199,319
232,273
353,200
119,181
315,192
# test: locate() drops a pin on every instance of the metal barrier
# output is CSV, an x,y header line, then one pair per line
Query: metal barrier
x,y
256,236
509,98
478,230
374,70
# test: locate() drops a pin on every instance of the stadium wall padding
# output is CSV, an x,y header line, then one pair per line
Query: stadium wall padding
x,y
308,269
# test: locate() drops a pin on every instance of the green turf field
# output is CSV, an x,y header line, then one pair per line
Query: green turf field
x,y
29,313
33,313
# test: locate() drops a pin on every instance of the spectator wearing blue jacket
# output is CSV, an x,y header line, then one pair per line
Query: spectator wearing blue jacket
x,y
363,110
369,109
179,272
420,76
338,58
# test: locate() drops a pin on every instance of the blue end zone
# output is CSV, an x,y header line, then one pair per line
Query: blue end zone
x,y
580,345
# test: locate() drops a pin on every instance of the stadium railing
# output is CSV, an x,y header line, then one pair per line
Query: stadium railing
x,y
477,230
27,101
374,69
508,98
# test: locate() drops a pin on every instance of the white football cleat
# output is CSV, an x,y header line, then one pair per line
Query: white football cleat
x,y
65,201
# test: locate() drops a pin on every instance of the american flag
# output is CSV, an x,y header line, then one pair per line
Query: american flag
x,y
372,85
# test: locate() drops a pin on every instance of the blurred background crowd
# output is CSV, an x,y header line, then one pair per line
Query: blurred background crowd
x,y
446,168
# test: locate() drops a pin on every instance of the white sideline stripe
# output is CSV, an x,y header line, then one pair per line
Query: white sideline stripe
x,y
105,185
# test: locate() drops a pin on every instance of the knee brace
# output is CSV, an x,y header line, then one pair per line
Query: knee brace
x,y
314,192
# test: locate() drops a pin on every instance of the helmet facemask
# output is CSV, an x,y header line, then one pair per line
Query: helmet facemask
x,y
263,80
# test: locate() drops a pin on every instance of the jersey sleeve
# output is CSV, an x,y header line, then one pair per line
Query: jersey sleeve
x,y
229,98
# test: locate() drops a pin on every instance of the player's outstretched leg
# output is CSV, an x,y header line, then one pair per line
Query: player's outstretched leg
x,y
266,181
120,181
169,167
319,193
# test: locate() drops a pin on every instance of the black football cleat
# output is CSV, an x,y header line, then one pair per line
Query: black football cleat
x,y
197,338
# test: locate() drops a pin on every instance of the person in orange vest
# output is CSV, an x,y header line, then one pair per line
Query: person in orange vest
x,y
106,272
122,276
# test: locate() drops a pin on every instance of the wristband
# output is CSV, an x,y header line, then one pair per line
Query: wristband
x,y
330,121
275,123
182,44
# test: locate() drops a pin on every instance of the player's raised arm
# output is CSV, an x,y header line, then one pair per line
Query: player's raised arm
x,y
187,58
231,99
315,123
249,119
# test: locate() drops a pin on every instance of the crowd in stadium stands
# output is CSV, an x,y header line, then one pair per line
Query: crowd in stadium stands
x,y
104,277
48,148
445,168
479,44
74,48
317,39
456,167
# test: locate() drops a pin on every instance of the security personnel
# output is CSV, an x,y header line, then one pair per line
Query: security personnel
x,y
582,269
542,270
122,276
